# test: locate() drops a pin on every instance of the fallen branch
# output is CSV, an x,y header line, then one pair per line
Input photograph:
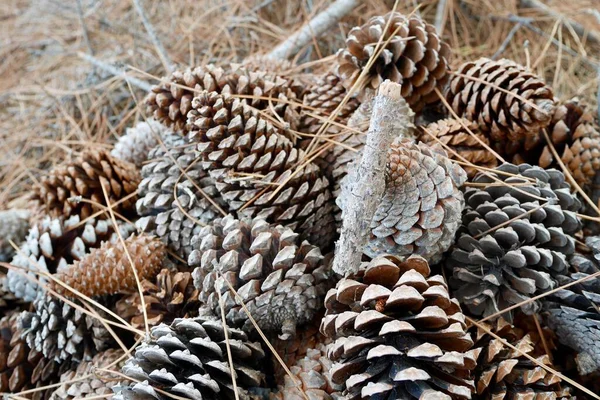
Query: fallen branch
x,y
313,28
506,41
160,49
440,12
116,71
391,117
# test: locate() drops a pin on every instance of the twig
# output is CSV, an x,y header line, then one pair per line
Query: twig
x,y
86,36
538,5
116,71
391,117
440,13
507,40
313,28
160,49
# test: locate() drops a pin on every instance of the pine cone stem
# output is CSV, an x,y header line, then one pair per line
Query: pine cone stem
x,y
391,118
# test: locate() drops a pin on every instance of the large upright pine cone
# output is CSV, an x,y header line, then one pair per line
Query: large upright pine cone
x,y
511,244
513,123
415,57
573,312
398,334
87,381
503,373
58,192
468,148
170,102
61,332
168,296
250,159
108,269
189,359
281,280
421,207
52,244
22,368
13,228
135,145
173,205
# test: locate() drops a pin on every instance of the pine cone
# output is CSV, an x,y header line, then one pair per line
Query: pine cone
x,y
9,303
85,177
453,134
171,102
421,207
108,270
175,220
249,158
573,312
13,228
280,279
398,334
512,123
61,332
52,244
295,348
415,57
189,359
511,244
94,382
135,145
504,373
22,368
170,295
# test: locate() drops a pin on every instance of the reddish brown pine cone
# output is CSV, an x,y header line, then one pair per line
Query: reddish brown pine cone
x,y
508,103
414,56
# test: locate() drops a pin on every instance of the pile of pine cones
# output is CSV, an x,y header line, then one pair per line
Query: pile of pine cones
x,y
178,263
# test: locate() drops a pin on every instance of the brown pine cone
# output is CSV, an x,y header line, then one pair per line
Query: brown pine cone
x,y
452,133
84,177
170,102
504,373
249,159
512,123
397,333
281,280
168,296
415,57
108,270
95,383
420,210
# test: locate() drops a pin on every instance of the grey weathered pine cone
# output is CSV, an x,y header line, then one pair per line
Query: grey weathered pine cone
x,y
54,243
398,334
420,211
189,359
173,205
512,245
281,279
14,224
138,140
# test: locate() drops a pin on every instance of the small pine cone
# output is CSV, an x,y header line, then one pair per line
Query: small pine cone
x,y
94,382
14,225
503,373
311,378
572,313
170,104
54,243
108,270
421,207
397,333
469,148
415,57
22,368
249,158
281,280
170,295
257,63
189,359
61,332
85,177
512,123
511,244
174,219
135,145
